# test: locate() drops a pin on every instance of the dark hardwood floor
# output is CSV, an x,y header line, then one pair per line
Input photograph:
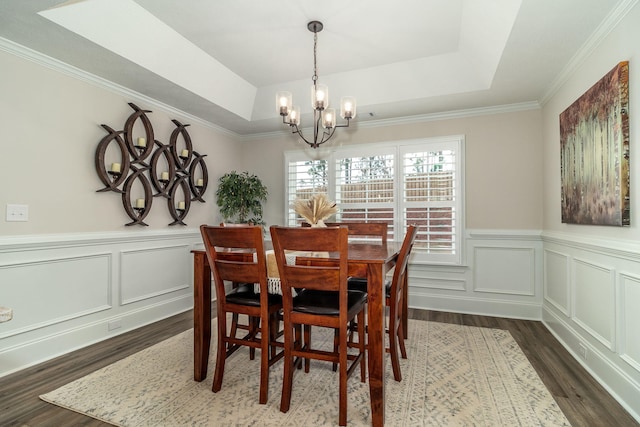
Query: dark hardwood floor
x,y
583,400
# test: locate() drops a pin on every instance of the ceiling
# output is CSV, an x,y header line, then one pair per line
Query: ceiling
x,y
223,61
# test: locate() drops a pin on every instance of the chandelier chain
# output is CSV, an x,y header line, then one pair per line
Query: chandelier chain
x,y
315,66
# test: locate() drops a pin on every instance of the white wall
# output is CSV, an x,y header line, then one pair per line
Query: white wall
x,y
592,273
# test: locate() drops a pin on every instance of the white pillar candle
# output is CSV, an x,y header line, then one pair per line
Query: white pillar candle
x,y
164,176
142,142
139,203
184,153
180,205
115,167
200,182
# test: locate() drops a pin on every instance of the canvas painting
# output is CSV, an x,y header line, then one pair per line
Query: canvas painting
x,y
594,153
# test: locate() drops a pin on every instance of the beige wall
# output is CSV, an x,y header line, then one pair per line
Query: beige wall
x,y
503,164
619,45
50,131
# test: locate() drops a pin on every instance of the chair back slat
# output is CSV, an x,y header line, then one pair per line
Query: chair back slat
x,y
235,254
331,276
235,271
309,239
326,278
361,229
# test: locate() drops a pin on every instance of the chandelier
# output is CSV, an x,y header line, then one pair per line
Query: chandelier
x,y
322,114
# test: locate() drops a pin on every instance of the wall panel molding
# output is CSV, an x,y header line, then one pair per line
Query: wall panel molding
x,y
629,295
504,270
593,300
600,328
27,288
557,275
68,291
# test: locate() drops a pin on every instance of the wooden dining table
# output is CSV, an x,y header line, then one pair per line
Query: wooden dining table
x,y
370,260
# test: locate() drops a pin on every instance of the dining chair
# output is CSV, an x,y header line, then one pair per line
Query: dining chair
x,y
237,255
394,299
376,230
323,301
395,293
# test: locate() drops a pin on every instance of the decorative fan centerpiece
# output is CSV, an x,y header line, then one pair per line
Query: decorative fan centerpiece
x,y
316,209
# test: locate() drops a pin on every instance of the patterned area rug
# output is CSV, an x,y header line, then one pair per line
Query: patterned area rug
x,y
455,376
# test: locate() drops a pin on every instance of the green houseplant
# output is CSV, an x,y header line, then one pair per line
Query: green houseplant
x,y
240,197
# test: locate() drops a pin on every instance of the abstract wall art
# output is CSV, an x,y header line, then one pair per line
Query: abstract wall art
x,y
594,153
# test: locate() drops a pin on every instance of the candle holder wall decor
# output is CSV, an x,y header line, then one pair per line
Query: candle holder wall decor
x,y
184,180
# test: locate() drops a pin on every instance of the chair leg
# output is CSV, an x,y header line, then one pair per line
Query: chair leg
x,y
254,326
222,353
361,347
287,378
342,399
401,335
307,343
336,341
274,326
393,346
265,341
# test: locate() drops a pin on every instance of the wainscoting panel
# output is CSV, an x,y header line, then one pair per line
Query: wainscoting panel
x,y
38,291
501,276
141,277
594,300
600,329
630,320
68,291
504,270
556,280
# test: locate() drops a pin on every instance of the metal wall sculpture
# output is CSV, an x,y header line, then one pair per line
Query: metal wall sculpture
x,y
182,180
594,150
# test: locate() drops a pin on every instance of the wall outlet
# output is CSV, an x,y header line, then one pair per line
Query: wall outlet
x,y
17,213
583,350
114,324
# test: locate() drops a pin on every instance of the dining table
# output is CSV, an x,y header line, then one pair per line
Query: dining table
x,y
365,259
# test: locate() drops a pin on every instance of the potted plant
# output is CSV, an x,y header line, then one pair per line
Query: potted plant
x,y
240,197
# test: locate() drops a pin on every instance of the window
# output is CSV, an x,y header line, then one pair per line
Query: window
x,y
417,181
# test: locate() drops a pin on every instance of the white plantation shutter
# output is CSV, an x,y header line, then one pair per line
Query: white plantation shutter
x,y
431,199
305,178
364,188
407,182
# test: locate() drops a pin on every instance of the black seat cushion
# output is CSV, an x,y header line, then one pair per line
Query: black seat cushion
x,y
325,302
357,284
244,294
360,284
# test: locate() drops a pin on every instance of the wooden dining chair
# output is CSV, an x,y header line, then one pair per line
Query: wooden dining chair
x,y
323,301
237,255
395,293
376,230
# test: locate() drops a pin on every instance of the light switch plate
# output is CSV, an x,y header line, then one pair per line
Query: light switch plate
x,y
17,213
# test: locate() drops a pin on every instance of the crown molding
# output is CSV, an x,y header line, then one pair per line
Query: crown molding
x,y
64,68
420,118
603,30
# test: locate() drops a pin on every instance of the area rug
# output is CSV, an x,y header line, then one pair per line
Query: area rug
x,y
455,376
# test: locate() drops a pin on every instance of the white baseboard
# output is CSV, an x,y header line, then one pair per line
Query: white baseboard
x,y
623,388
484,307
